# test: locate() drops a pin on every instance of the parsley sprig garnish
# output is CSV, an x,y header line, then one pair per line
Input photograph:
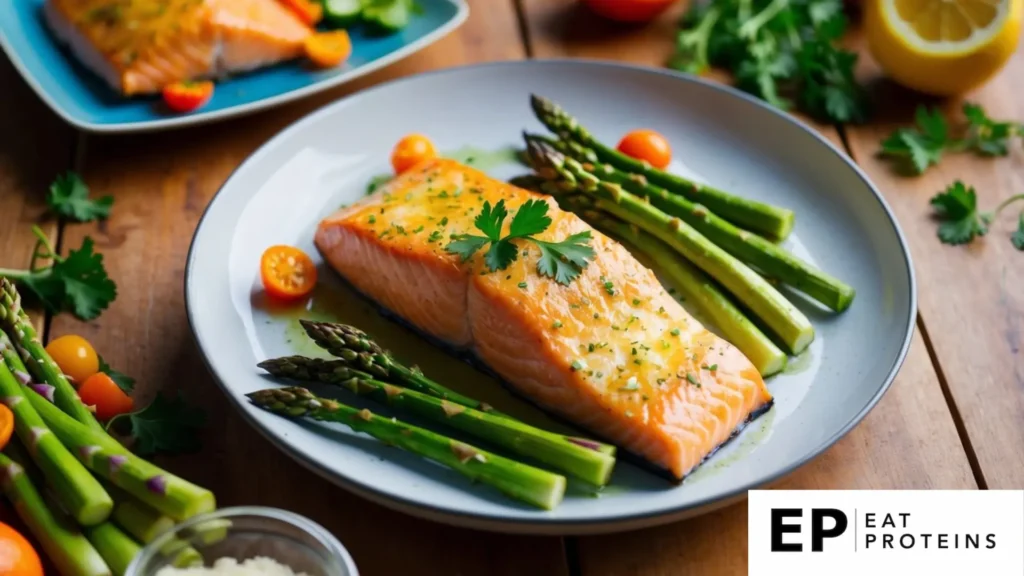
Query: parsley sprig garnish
x,y
777,50
563,261
76,283
123,381
924,144
960,220
167,425
69,198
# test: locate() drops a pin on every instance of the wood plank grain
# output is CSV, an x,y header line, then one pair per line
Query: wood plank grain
x,y
908,441
970,297
162,183
35,146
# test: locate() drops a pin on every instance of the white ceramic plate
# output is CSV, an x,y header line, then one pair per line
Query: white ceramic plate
x,y
726,138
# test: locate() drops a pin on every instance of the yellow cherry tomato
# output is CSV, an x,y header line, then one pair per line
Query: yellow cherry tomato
x,y
410,151
75,356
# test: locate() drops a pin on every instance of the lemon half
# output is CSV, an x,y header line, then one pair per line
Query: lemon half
x,y
942,47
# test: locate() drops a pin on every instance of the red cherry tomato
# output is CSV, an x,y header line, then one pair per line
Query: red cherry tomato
x,y
647,145
629,10
103,393
187,96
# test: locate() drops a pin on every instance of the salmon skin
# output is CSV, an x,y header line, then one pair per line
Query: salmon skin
x,y
611,352
140,46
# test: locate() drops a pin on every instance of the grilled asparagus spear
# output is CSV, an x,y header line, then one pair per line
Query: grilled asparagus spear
x,y
755,216
520,481
556,452
770,259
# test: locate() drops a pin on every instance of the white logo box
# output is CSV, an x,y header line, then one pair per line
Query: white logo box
x,y
914,532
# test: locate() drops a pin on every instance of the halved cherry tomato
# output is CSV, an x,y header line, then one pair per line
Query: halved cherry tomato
x,y
188,96
101,392
308,11
327,49
287,272
411,150
6,427
647,145
16,555
629,10
74,356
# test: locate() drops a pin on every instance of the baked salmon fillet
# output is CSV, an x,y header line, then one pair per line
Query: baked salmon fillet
x,y
612,351
140,46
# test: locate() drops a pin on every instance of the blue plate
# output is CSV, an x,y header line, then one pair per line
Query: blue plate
x,y
86,101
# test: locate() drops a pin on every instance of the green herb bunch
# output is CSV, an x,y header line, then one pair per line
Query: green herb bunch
x,y
779,50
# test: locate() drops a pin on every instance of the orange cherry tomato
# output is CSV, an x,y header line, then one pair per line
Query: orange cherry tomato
x,y
75,357
410,151
16,555
101,392
287,272
187,96
309,11
6,427
629,10
327,49
647,145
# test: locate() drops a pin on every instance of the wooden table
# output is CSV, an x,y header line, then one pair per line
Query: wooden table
x,y
951,420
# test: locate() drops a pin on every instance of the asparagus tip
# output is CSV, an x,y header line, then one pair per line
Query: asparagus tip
x,y
44,390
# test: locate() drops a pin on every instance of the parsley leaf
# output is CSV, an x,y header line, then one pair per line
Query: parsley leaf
x,y
778,50
563,261
958,209
465,245
501,254
69,198
830,90
490,219
531,218
123,381
1018,236
78,283
986,136
166,425
922,145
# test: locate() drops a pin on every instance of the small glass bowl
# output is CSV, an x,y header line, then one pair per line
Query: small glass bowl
x,y
247,532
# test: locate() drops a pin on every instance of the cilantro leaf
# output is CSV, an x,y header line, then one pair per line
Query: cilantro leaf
x,y
1018,236
77,283
761,73
69,198
501,255
565,260
531,218
465,245
830,90
167,425
123,381
562,261
986,136
957,207
490,219
922,145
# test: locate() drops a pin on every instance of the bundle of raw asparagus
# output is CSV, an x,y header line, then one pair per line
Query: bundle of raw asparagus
x,y
89,502
366,369
719,248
